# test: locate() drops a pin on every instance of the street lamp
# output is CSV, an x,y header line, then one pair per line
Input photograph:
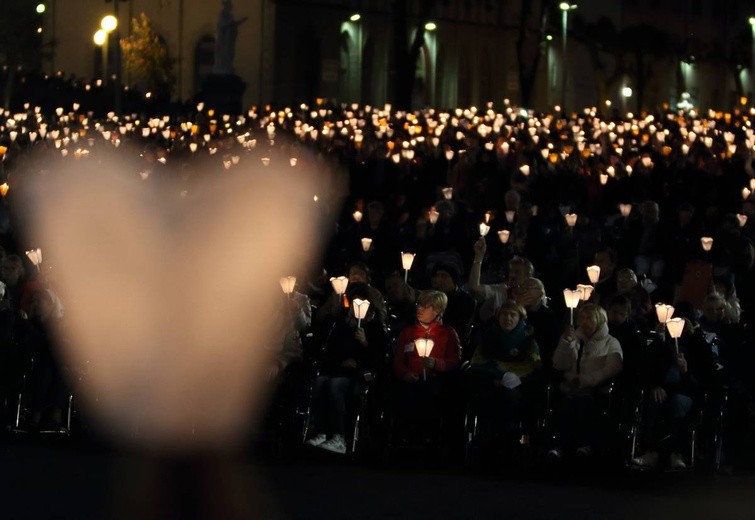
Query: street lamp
x,y
565,8
101,38
626,93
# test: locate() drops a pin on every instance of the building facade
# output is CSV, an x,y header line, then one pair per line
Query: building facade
x,y
291,51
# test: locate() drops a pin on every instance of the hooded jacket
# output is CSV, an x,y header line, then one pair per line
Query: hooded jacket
x,y
600,359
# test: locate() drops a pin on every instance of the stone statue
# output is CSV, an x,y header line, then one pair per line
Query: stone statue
x,y
225,43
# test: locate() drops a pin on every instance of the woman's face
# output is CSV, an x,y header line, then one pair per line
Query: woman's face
x,y
426,314
587,322
508,319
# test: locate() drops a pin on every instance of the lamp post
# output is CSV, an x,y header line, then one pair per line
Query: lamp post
x,y
626,93
565,8
751,20
101,38
355,84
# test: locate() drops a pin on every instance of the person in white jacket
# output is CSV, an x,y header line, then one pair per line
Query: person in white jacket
x,y
589,358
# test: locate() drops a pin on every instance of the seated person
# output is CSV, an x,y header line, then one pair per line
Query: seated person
x,y
332,306
400,300
285,372
732,309
295,318
459,312
351,357
627,285
589,357
492,296
418,389
672,383
531,296
606,259
506,357
630,336
47,386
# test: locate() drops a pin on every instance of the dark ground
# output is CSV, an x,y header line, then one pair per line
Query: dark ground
x,y
47,481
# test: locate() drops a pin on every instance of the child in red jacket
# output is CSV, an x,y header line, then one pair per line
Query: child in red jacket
x,y
418,390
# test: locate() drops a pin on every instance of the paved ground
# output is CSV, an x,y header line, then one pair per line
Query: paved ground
x,y
42,481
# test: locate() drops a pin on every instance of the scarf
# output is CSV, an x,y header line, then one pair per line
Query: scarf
x,y
503,345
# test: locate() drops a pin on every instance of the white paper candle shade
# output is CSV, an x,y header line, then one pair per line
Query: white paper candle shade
x,y
366,244
586,291
448,193
593,273
675,327
510,216
742,219
433,216
360,308
484,228
357,216
424,346
339,284
625,209
571,219
707,243
572,298
664,312
449,155
503,236
35,256
287,284
407,259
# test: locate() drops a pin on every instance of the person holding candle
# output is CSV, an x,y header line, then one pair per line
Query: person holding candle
x,y
673,383
419,382
47,386
351,357
628,286
459,312
358,273
606,259
589,357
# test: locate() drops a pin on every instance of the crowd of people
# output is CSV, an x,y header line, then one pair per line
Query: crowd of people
x,y
462,229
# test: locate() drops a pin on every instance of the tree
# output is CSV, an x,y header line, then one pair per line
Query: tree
x,y
406,55
20,44
530,46
601,40
146,59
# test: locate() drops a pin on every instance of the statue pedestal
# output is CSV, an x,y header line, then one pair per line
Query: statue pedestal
x,y
223,92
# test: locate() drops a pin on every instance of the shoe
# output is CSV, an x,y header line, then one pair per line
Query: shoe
x,y
677,462
316,440
555,454
648,460
585,451
335,444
